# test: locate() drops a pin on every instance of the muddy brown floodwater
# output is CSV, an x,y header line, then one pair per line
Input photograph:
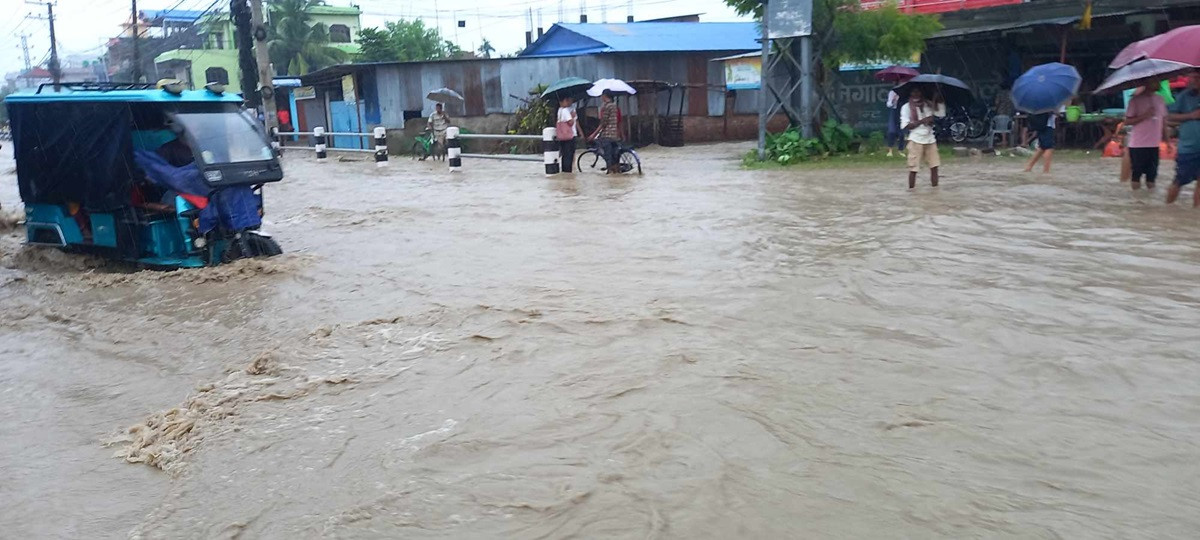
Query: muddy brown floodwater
x,y
701,352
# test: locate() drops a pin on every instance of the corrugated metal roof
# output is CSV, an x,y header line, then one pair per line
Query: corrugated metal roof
x,y
577,39
172,15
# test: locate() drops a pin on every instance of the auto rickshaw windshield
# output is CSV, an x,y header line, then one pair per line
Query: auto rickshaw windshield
x,y
225,137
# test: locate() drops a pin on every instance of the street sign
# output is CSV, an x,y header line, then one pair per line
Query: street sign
x,y
789,18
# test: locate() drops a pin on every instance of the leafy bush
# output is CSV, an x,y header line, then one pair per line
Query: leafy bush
x,y
874,142
789,147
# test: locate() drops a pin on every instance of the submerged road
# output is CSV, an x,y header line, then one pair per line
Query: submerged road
x,y
701,352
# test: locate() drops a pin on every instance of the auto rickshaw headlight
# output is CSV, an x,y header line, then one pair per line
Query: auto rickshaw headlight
x,y
215,87
199,242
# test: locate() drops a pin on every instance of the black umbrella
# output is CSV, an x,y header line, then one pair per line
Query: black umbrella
x,y
955,92
1140,72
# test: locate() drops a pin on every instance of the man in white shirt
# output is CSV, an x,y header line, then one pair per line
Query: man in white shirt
x,y
918,116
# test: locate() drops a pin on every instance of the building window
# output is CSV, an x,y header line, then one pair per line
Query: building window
x,y
219,39
339,33
217,75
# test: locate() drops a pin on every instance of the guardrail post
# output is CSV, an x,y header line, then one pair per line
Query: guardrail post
x,y
550,151
275,145
381,152
453,150
319,142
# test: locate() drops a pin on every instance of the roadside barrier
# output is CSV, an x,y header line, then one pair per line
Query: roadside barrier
x,y
549,157
320,139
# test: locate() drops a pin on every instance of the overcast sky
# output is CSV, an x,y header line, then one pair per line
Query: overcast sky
x,y
83,26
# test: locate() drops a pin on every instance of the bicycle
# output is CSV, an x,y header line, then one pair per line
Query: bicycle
x,y
426,145
626,156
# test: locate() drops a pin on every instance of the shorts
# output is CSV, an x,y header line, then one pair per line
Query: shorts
x,y
918,152
1145,163
1046,139
1187,168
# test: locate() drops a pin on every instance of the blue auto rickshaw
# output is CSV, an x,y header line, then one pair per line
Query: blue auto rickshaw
x,y
155,175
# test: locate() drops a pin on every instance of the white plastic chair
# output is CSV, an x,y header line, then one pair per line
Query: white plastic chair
x,y
1001,125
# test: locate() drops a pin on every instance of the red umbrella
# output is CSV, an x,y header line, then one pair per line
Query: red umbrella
x,y
1179,45
896,74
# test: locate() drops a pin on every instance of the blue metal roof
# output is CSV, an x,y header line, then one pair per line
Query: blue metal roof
x,y
579,39
172,15
131,96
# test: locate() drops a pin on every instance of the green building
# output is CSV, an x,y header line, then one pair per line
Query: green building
x,y
217,60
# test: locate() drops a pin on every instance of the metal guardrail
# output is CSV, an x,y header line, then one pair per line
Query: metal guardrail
x,y
319,137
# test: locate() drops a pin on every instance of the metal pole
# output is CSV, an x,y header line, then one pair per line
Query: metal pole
x,y
265,90
764,94
806,87
137,55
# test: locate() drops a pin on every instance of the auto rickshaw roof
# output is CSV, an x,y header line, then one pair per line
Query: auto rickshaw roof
x,y
129,93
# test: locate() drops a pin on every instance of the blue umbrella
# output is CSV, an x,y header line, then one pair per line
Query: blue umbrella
x,y
1045,88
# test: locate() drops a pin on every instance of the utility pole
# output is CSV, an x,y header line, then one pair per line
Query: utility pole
x,y
239,12
265,90
137,55
52,65
25,50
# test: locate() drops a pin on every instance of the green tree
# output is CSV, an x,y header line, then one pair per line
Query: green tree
x,y
404,41
297,44
486,49
845,32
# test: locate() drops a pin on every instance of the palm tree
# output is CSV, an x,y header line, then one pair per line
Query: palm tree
x,y
297,44
486,49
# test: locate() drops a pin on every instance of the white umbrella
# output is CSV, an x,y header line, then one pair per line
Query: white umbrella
x,y
443,95
616,86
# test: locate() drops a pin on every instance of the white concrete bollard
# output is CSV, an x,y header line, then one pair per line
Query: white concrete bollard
x,y
381,152
319,142
550,151
453,150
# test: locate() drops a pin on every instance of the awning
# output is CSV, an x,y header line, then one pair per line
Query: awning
x,y
1001,27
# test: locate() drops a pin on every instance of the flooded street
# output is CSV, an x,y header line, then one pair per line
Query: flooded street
x,y
700,352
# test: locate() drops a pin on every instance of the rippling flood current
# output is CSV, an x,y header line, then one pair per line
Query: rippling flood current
x,y
702,352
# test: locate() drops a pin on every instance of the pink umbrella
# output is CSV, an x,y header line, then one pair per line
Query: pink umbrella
x,y
1179,45
896,74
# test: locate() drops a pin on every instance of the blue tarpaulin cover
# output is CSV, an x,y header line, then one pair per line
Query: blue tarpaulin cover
x,y
235,207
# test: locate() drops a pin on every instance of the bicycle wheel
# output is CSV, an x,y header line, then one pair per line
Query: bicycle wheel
x,y
418,151
958,132
629,161
976,128
595,157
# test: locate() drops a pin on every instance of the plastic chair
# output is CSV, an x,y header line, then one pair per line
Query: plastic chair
x,y
1001,125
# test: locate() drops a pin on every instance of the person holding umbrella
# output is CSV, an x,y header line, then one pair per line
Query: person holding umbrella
x,y
918,117
1043,91
1186,111
1147,114
608,134
896,75
565,131
438,122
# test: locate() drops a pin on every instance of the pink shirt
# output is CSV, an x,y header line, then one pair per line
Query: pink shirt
x,y
1149,132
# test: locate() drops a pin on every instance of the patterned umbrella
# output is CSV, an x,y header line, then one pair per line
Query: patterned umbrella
x,y
1179,45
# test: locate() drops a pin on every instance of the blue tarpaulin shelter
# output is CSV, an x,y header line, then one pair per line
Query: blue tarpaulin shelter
x,y
579,39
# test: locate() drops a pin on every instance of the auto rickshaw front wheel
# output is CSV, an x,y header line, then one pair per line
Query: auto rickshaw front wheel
x,y
251,244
